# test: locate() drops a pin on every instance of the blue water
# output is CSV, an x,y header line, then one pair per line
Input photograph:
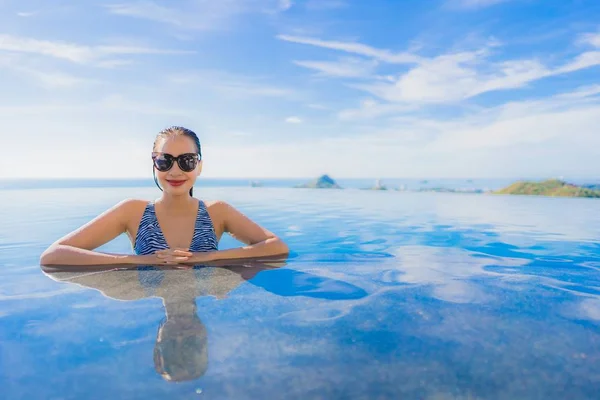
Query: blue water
x,y
393,295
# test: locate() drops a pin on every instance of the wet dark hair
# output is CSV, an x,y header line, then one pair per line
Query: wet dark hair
x,y
175,131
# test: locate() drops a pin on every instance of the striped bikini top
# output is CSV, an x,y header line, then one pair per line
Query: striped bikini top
x,y
150,237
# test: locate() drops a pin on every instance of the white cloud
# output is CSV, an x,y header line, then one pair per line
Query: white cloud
x,y
203,15
114,63
25,57
107,103
501,142
580,93
57,79
591,38
568,116
178,17
355,48
521,138
584,60
317,106
293,120
406,152
443,79
80,54
285,4
455,77
24,14
239,133
231,85
370,108
532,129
120,103
68,51
343,68
47,77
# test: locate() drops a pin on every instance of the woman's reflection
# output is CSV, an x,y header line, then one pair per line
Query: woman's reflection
x,y
180,352
181,348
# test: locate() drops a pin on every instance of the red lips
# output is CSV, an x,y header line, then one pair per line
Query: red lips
x,y
175,183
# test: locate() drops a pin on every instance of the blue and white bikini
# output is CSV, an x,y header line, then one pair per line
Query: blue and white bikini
x,y
150,237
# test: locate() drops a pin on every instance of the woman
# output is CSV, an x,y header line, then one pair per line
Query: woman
x,y
177,228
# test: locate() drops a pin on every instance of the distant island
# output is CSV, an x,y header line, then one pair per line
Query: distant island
x,y
322,182
550,187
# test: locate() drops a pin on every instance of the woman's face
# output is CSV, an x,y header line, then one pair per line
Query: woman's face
x,y
182,174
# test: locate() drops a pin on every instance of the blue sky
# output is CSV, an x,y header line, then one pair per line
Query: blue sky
x,y
297,88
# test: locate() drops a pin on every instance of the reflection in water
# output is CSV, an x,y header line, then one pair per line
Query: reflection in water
x,y
450,271
181,347
181,352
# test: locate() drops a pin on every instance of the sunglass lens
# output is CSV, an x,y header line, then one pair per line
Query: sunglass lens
x,y
188,162
163,163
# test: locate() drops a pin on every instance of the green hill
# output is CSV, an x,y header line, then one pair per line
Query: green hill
x,y
551,187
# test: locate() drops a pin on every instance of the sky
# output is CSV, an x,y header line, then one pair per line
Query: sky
x,y
299,88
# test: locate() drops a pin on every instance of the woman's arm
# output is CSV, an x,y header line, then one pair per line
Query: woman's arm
x,y
259,241
76,248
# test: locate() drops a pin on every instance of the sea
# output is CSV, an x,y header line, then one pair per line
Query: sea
x,y
384,295
348,183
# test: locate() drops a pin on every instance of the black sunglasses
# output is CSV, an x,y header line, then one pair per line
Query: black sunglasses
x,y
187,162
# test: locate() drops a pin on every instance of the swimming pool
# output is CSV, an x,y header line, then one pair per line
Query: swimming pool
x,y
386,295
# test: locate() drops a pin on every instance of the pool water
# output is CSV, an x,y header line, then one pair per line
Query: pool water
x,y
393,295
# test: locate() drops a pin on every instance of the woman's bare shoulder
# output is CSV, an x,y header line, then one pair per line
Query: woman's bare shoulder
x,y
214,203
217,207
131,210
132,205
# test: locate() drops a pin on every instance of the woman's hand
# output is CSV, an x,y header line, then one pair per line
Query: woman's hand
x,y
164,257
173,256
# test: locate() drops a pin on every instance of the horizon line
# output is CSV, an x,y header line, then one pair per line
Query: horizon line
x,y
562,177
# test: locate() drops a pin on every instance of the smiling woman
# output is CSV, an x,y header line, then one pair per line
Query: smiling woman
x,y
176,228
